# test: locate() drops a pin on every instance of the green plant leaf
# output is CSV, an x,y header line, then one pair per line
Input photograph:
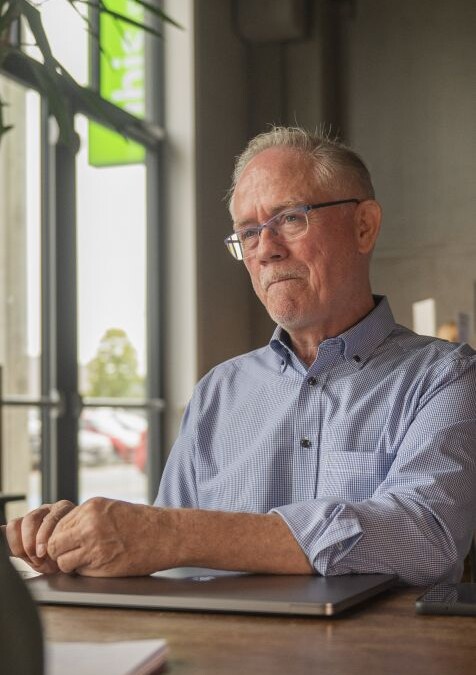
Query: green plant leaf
x,y
156,11
51,76
90,99
48,83
33,16
130,22
104,9
47,75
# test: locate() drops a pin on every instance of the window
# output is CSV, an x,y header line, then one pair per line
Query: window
x,y
80,254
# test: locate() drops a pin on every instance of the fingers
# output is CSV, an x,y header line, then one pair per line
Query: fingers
x,y
48,524
27,537
13,532
29,526
19,539
67,536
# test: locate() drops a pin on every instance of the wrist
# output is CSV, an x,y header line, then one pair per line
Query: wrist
x,y
171,537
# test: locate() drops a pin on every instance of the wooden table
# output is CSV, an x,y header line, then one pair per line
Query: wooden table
x,y
383,637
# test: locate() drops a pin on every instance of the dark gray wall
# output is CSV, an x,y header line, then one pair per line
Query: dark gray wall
x,y
412,112
396,79
221,95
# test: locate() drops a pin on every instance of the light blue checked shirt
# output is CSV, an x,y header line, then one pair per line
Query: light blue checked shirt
x,y
368,455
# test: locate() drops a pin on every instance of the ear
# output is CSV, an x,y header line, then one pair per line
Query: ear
x,y
368,216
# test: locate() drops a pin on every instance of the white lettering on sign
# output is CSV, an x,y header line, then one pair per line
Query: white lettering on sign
x,y
130,94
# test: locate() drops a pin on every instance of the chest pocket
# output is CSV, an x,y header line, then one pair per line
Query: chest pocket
x,y
352,474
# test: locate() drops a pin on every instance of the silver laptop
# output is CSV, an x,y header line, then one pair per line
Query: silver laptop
x,y
197,589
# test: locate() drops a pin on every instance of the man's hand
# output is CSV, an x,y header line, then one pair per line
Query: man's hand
x,y
110,538
28,537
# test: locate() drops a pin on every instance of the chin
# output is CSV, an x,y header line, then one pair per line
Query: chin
x,y
288,320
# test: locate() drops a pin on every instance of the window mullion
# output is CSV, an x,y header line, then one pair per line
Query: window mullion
x,y
66,315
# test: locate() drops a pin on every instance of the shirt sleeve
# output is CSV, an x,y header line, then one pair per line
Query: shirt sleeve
x,y
178,486
419,522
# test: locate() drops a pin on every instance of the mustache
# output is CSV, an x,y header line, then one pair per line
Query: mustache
x,y
271,276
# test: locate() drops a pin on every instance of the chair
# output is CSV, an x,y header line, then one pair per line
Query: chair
x,y
4,499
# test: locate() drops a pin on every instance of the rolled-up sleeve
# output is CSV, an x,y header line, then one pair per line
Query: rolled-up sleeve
x,y
419,521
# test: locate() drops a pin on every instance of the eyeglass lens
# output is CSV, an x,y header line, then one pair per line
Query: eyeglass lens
x,y
286,225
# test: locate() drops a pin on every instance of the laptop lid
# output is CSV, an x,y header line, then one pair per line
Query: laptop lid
x,y
197,589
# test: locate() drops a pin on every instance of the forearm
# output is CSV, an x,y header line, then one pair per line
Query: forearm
x,y
232,541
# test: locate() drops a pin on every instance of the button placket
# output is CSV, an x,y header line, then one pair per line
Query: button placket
x,y
307,430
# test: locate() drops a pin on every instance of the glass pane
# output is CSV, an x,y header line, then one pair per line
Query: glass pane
x,y
20,241
67,33
22,432
112,454
111,292
20,273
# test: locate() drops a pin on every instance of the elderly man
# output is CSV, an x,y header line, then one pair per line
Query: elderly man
x,y
347,444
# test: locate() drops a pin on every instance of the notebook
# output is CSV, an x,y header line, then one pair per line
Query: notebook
x,y
131,657
197,589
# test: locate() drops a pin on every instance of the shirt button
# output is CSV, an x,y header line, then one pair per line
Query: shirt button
x,y
312,381
357,358
305,443
339,546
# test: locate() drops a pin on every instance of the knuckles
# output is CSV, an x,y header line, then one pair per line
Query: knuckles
x,y
96,504
62,506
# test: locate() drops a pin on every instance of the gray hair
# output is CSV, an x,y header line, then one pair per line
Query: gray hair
x,y
335,163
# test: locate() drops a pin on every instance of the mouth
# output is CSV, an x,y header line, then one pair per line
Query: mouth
x,y
270,282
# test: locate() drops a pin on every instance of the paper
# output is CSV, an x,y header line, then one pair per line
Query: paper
x,y
133,657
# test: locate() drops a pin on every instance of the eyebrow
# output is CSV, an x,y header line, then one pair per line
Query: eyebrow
x,y
249,222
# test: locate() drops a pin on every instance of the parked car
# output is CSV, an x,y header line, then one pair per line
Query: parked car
x,y
94,448
123,429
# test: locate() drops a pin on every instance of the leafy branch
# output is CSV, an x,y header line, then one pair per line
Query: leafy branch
x,y
51,77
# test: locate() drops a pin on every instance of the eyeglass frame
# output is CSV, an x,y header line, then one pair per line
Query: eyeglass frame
x,y
229,243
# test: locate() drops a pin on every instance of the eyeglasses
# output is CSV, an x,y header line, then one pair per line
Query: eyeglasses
x,y
287,225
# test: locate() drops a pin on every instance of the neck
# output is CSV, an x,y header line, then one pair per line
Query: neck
x,y
305,341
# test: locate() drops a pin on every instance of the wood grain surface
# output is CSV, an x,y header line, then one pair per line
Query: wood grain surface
x,y
384,636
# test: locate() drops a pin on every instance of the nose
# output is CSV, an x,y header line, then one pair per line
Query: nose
x,y
269,246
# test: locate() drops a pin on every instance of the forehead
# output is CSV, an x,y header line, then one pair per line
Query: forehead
x,y
275,177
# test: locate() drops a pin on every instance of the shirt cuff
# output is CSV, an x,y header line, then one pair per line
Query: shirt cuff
x,y
326,532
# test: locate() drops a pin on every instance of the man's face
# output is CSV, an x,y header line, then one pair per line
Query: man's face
x,y
305,283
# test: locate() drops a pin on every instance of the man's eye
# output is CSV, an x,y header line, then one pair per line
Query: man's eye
x,y
246,235
293,221
289,219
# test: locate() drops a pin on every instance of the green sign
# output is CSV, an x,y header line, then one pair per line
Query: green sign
x,y
121,81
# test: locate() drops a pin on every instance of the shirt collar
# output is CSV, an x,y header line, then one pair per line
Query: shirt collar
x,y
363,339
356,343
